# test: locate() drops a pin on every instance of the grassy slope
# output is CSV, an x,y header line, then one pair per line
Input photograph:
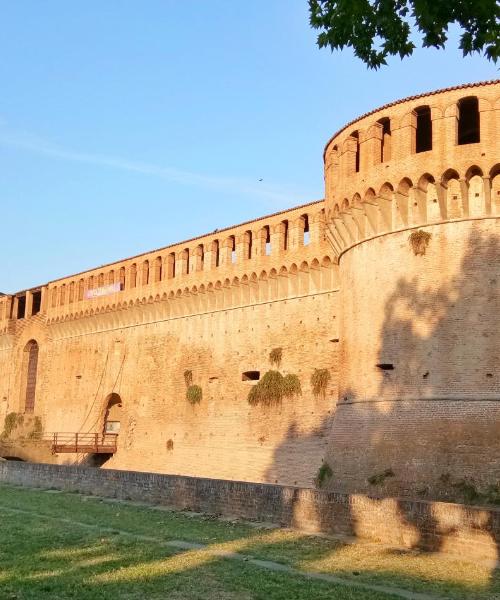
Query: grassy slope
x,y
42,558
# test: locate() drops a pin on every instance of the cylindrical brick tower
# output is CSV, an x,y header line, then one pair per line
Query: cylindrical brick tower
x,y
413,213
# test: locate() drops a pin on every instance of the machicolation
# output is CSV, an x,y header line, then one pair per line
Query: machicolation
x,y
351,343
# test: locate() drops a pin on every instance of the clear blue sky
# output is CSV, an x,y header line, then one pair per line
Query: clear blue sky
x,y
126,125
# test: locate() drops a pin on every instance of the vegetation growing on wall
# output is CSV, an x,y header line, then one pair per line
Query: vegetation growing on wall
x,y
273,387
419,240
466,490
319,381
10,424
324,474
379,478
15,421
188,377
275,357
36,433
194,394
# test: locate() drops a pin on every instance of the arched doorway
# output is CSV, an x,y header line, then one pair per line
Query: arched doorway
x,y
112,416
31,361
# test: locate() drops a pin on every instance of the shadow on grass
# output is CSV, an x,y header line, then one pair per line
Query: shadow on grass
x,y
54,558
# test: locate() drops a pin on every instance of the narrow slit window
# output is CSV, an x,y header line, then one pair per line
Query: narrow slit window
x,y
133,275
145,272
385,146
250,376
307,234
468,121
216,251
423,142
37,302
285,235
249,239
21,307
158,269
233,249
355,135
268,239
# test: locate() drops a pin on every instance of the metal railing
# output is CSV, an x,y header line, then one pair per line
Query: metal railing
x,y
76,443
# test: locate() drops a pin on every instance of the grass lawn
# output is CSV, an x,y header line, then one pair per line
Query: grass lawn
x,y
59,545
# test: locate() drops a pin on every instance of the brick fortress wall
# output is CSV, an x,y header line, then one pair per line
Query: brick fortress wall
x,y
215,306
434,526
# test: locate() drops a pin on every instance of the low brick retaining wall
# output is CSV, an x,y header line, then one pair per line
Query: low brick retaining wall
x,y
435,526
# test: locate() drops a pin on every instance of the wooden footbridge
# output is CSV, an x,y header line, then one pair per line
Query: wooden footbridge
x,y
82,443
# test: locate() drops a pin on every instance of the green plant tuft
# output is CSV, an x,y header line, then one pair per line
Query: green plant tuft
x,y
319,381
273,387
194,394
468,491
419,240
275,357
380,478
188,377
37,430
268,391
10,423
324,473
291,386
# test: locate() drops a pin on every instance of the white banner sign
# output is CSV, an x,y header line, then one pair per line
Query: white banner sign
x,y
105,290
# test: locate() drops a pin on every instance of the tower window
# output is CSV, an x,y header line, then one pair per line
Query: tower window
x,y
37,302
385,147
355,135
424,129
468,121
21,307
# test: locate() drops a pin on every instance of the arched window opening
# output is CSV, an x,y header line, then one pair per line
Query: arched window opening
x,y
133,275
31,349
171,265
307,234
122,278
71,297
21,306
54,297
216,252
201,257
385,147
145,272
91,282
232,242
36,302
80,289
112,416
423,134
100,280
355,135
249,242
111,277
468,121
267,237
186,257
285,234
62,295
158,269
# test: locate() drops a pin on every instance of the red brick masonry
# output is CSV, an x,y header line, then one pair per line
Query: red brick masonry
x,y
435,526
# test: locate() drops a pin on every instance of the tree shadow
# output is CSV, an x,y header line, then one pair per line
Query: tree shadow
x,y
68,561
430,429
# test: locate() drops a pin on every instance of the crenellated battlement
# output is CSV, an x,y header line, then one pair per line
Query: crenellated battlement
x,y
427,159
246,253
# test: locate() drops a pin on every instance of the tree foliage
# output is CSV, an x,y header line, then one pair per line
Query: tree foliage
x,y
376,29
